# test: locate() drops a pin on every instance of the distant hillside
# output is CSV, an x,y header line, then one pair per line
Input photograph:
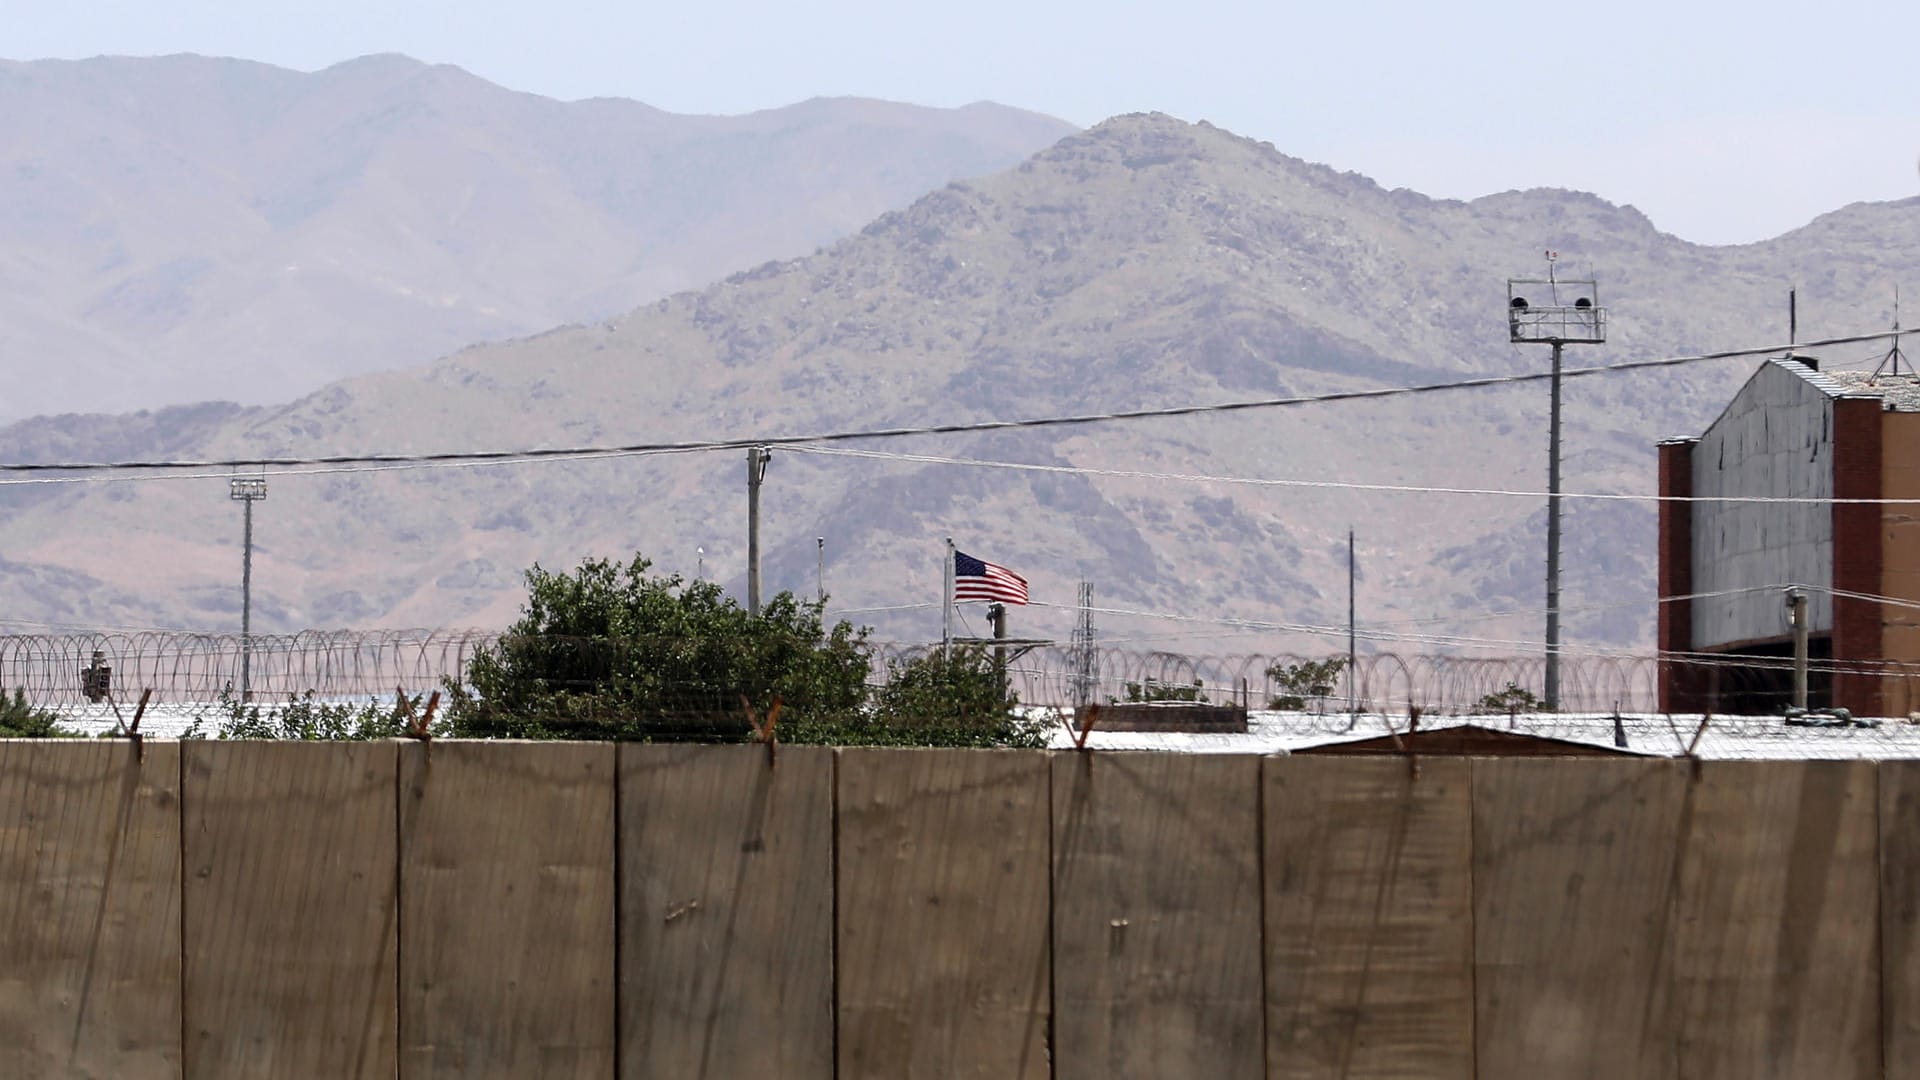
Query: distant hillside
x,y
1145,262
184,228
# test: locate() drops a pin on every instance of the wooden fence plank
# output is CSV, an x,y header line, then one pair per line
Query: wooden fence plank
x,y
942,928
1776,935
290,909
726,912
1369,918
1156,916
507,910
89,910
1573,880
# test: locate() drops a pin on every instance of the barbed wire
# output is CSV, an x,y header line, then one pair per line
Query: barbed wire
x,y
182,668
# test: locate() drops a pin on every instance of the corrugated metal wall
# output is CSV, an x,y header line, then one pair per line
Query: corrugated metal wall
x,y
1775,440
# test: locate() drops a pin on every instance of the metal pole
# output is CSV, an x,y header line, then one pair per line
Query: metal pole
x,y
756,471
998,614
946,604
246,601
1353,698
1553,541
1797,601
820,542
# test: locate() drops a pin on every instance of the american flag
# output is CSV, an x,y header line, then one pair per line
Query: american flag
x,y
977,579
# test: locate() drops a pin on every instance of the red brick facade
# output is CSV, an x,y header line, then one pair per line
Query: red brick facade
x,y
1681,688
1856,551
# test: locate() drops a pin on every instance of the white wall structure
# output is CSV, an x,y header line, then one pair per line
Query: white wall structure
x,y
1775,440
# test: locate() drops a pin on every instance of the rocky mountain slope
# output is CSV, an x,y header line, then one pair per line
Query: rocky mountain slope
x,y
183,228
1145,262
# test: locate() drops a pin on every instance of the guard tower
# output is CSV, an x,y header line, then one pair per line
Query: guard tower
x,y
1559,313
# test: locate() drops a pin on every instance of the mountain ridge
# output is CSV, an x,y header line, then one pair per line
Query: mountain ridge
x,y
1145,261
183,228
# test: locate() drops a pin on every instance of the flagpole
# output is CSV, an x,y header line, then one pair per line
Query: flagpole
x,y
946,605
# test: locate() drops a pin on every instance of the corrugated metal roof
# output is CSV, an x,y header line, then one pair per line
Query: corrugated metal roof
x,y
1823,380
1900,391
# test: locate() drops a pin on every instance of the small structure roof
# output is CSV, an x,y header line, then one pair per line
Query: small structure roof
x,y
1901,392
1726,738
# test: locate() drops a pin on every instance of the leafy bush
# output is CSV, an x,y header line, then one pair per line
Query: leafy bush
x,y
19,719
609,652
1154,690
1513,698
1308,680
306,717
612,652
932,700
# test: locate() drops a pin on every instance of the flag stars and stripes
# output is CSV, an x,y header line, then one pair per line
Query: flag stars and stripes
x,y
977,579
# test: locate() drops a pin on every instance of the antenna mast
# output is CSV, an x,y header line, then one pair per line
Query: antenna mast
x,y
1890,363
1085,660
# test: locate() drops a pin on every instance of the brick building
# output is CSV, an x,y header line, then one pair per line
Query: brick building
x,y
1794,431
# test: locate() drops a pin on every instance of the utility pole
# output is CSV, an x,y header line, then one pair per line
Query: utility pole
x,y
246,490
820,542
1573,319
1553,540
997,614
1797,606
756,472
1353,697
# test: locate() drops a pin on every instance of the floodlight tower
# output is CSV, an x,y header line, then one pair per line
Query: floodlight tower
x,y
1571,315
246,490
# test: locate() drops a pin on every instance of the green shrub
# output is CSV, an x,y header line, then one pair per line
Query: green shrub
x,y
934,699
1150,690
1513,698
609,652
308,718
20,719
1308,680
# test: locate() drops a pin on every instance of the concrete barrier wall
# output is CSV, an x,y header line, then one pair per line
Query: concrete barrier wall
x,y
89,910
726,912
507,910
1900,917
513,909
290,916
1369,918
1574,878
1776,926
943,923
1156,904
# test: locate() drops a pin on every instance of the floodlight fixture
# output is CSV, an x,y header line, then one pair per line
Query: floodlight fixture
x,y
1556,312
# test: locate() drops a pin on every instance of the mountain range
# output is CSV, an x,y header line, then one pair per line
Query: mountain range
x,y
184,228
1145,262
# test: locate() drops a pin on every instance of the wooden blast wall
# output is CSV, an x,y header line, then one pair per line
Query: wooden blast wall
x,y
583,910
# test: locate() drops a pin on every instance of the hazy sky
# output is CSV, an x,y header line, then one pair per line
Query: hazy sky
x,y
1724,122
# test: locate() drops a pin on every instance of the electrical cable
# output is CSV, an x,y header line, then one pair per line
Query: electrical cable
x,y
1337,485
477,456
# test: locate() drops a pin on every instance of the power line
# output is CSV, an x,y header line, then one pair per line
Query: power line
x,y
1334,485
465,457
312,470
